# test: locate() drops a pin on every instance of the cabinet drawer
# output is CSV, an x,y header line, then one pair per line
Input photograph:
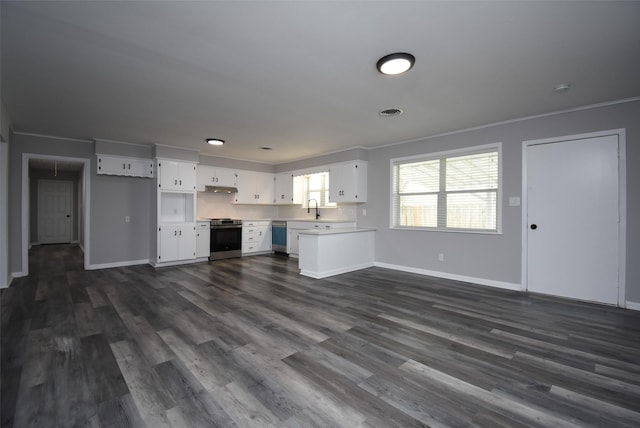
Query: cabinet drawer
x,y
251,237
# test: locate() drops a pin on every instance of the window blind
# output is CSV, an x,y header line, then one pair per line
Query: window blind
x,y
456,191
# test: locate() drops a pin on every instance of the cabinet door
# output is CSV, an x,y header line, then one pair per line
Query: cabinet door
x,y
203,237
265,239
168,244
168,175
186,241
205,176
292,241
225,177
141,167
348,182
186,176
264,188
246,188
284,188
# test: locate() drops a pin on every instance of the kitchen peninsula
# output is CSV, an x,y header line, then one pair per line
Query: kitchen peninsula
x,y
328,252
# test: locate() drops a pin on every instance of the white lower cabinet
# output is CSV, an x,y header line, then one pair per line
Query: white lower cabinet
x,y
203,239
256,237
177,242
294,228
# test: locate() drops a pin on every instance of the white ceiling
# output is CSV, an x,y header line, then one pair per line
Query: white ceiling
x,y
300,76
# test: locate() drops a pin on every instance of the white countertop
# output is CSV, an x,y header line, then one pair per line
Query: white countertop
x,y
336,231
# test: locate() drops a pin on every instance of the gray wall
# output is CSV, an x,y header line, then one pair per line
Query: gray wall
x,y
498,257
236,164
112,198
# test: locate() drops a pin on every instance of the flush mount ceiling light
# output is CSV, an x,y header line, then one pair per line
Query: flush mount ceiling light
x,y
215,141
395,63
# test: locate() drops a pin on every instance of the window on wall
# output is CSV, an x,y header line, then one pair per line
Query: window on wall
x,y
458,190
312,186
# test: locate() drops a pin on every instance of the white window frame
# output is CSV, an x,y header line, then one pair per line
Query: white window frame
x,y
442,155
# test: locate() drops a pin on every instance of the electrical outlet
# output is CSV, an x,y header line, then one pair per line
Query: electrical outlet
x,y
127,219
441,257
364,212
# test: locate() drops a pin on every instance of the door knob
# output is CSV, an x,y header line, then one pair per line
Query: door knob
x,y
68,215
534,226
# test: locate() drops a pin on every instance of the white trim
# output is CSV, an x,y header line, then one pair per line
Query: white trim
x,y
463,151
5,275
328,273
634,306
117,264
54,137
86,188
145,145
173,263
446,275
622,202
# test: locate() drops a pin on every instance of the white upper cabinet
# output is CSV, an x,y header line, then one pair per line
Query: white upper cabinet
x,y
284,188
176,175
254,188
127,166
214,176
348,182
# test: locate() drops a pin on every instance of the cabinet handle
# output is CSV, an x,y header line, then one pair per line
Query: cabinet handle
x,y
175,182
180,233
175,233
181,182
124,166
129,166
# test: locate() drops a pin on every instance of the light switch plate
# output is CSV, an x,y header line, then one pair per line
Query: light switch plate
x,y
514,201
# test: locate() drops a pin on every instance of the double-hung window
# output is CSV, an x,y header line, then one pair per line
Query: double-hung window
x,y
312,187
457,190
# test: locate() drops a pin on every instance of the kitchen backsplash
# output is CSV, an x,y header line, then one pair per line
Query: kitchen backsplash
x,y
216,205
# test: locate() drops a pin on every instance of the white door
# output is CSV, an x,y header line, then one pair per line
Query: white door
x,y
55,204
572,216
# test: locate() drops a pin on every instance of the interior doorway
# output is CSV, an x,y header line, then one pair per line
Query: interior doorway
x,y
57,167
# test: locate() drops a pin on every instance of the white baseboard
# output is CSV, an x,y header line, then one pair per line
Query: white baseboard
x,y
176,263
117,264
325,274
7,281
634,306
446,275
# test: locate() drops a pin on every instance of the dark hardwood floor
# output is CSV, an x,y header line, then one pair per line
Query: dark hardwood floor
x,y
249,342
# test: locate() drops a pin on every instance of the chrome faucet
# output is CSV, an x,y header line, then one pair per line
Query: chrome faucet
x,y
309,208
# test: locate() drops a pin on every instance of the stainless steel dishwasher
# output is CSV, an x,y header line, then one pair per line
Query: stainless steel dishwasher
x,y
279,236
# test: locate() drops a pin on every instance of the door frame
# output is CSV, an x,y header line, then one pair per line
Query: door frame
x,y
86,204
622,204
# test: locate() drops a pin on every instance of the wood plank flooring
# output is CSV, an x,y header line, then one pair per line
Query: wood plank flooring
x,y
250,343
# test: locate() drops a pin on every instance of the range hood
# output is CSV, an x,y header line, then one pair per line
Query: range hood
x,y
220,189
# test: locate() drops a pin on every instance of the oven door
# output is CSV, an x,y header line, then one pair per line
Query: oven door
x,y
225,238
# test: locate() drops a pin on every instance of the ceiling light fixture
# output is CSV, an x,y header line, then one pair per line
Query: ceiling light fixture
x,y
215,141
395,63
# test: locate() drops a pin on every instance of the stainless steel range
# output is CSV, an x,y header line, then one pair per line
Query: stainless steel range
x,y
226,238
